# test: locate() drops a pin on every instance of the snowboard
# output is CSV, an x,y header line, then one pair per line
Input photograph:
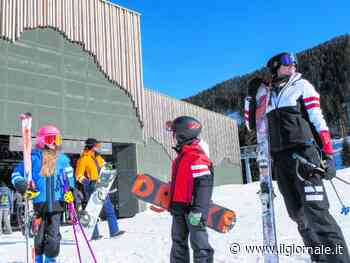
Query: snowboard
x,y
152,190
264,164
90,215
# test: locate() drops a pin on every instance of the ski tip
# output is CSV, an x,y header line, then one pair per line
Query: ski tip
x,y
25,115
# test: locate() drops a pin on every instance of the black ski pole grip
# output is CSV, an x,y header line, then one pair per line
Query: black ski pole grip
x,y
307,163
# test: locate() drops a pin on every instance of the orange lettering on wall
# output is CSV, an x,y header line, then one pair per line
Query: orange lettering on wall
x,y
143,186
226,220
162,197
211,212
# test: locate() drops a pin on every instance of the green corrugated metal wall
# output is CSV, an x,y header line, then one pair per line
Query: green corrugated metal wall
x,y
227,173
154,160
59,83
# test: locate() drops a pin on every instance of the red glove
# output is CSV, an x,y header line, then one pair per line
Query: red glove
x,y
326,142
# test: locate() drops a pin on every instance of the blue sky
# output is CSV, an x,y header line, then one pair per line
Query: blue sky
x,y
189,46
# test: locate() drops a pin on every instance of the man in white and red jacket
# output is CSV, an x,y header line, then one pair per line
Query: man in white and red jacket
x,y
190,192
296,126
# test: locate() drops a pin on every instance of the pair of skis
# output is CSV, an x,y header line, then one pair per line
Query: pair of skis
x,y
26,119
264,164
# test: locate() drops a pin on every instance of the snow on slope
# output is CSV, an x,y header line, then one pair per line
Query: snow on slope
x,y
148,234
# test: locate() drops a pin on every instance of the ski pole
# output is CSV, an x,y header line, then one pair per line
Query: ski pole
x,y
75,222
345,209
75,232
336,192
86,240
307,163
342,180
71,215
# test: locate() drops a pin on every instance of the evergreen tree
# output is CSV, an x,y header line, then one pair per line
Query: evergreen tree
x,y
345,155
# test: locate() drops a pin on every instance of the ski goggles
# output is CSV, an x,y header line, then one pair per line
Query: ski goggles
x,y
53,139
288,59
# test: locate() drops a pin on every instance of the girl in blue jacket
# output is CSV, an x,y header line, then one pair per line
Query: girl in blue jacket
x,y
50,168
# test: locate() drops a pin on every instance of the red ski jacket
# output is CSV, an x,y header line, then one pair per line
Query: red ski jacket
x,y
192,179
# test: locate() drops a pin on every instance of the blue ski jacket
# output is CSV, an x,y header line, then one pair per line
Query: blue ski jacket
x,y
50,187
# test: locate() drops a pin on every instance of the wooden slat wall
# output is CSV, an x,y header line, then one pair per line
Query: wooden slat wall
x,y
220,132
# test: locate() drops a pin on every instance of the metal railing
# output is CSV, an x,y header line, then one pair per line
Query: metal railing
x,y
247,153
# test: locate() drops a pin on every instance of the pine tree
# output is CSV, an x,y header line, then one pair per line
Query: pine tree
x,y
345,155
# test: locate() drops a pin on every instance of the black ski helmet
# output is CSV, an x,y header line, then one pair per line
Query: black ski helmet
x,y
284,59
91,142
185,128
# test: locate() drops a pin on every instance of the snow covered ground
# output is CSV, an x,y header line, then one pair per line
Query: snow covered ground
x,y
148,234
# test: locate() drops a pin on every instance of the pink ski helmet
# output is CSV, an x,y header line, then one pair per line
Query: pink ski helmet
x,y
48,135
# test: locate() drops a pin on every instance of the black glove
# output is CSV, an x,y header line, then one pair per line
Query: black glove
x,y
21,186
329,166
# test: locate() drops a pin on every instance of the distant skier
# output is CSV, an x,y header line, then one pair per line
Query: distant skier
x,y
296,125
49,166
190,192
87,173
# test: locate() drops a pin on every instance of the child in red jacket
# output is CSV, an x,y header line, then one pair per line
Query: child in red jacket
x,y
190,192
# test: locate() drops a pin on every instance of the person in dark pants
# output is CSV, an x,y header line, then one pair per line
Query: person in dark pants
x,y
190,192
297,126
50,167
87,173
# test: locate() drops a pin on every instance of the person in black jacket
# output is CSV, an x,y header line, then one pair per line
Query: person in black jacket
x,y
297,126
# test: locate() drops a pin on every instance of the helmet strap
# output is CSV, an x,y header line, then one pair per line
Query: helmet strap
x,y
181,144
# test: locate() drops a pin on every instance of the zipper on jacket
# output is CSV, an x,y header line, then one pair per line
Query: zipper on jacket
x,y
290,82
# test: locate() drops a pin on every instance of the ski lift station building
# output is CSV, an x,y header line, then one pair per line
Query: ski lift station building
x,y
78,65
